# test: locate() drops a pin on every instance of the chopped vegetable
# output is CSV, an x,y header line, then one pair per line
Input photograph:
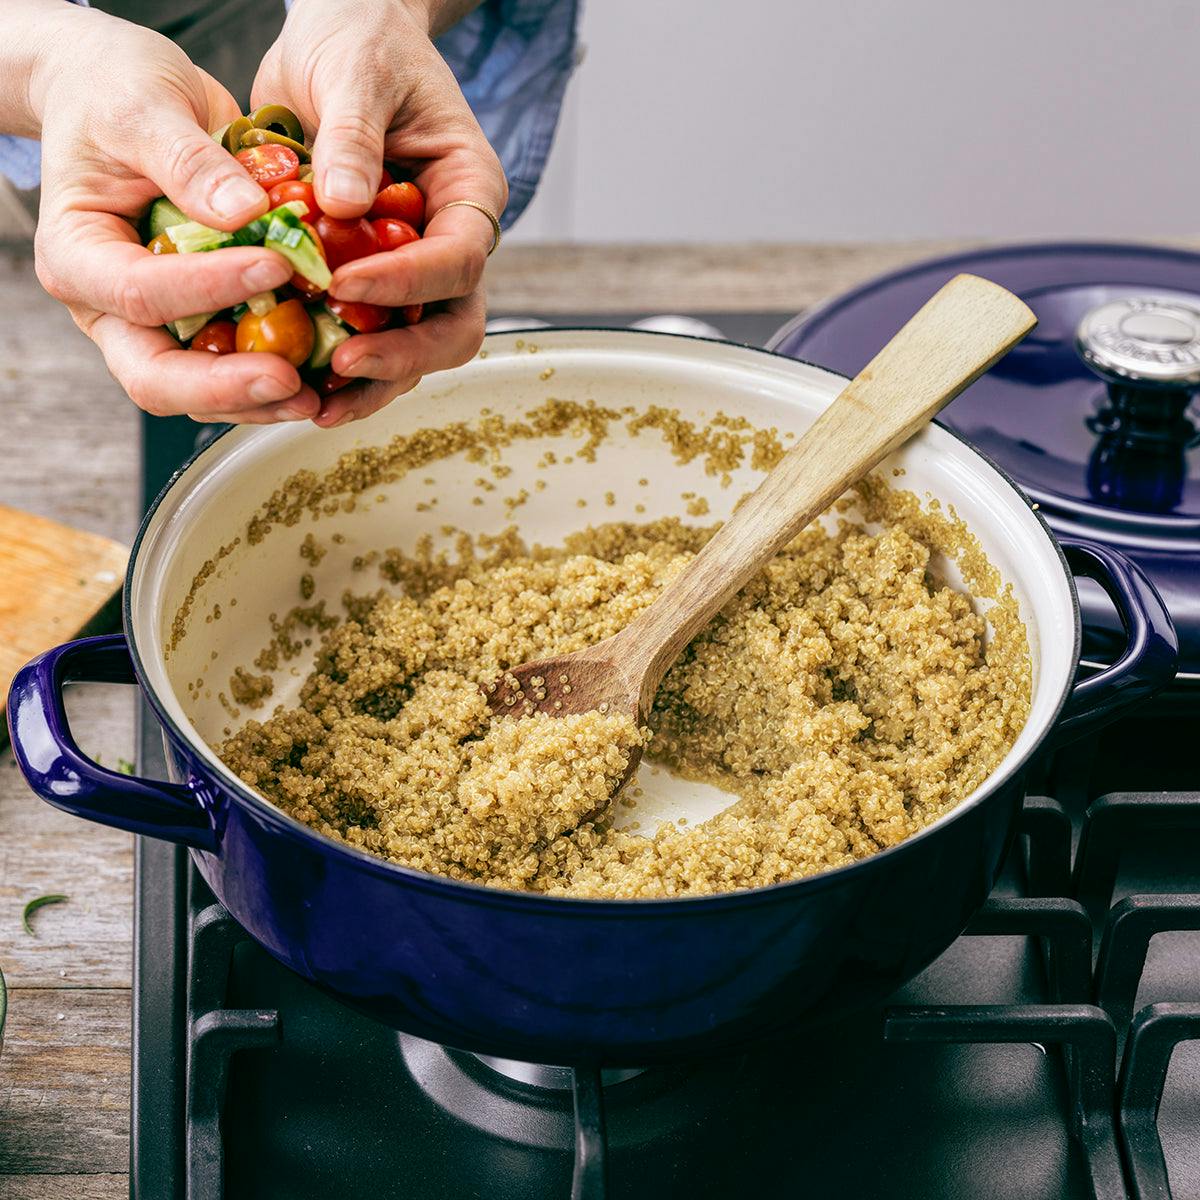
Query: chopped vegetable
x,y
163,214
186,328
217,337
261,303
286,330
289,236
191,237
268,137
161,245
277,119
269,165
34,905
329,334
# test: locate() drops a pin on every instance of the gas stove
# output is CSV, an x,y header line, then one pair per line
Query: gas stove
x,y
1052,1051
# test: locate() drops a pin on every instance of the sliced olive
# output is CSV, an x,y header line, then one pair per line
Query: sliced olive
x,y
278,119
161,245
261,137
231,139
307,175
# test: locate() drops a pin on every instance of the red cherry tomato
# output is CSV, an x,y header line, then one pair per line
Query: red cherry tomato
x,y
269,164
330,382
364,318
285,330
402,201
394,233
306,287
296,189
412,313
385,177
346,240
219,337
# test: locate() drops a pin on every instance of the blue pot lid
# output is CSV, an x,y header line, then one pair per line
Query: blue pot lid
x,y
1092,414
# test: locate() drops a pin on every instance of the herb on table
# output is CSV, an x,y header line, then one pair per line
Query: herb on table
x,y
34,905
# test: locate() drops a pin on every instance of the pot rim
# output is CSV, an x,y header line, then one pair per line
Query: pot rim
x,y
469,891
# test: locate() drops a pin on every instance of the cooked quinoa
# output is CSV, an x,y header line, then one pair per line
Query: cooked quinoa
x,y
847,697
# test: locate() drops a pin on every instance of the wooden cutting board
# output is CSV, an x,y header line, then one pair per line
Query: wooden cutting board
x,y
56,583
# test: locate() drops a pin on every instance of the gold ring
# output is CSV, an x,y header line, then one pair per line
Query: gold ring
x,y
487,212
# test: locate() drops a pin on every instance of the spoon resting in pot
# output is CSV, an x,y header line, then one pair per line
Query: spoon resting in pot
x,y
956,336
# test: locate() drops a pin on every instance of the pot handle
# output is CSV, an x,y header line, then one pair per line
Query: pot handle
x,y
1151,652
62,775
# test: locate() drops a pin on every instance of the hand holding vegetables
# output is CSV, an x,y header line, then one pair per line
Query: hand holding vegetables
x,y
123,116
297,322
365,75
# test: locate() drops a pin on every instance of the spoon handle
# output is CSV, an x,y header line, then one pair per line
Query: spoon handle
x,y
956,336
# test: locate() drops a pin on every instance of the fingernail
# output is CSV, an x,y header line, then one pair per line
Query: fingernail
x,y
368,364
348,186
264,275
267,388
286,413
235,195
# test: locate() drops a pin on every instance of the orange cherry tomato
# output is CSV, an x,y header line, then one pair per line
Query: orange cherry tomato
x,y
285,330
394,233
306,287
218,337
161,245
360,316
412,313
269,163
296,189
402,201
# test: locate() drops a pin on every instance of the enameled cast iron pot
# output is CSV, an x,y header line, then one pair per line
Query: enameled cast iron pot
x,y
616,983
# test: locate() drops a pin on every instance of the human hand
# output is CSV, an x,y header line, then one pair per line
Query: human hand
x,y
124,118
366,77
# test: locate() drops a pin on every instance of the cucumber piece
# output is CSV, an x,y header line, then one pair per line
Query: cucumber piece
x,y
261,303
163,214
253,234
191,237
329,334
287,236
186,328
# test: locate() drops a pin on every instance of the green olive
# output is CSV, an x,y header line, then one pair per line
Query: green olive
x,y
231,138
306,174
260,137
278,119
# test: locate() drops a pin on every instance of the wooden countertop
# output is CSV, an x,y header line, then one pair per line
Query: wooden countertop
x,y
69,445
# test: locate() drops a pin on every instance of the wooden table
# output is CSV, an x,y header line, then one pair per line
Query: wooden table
x,y
69,442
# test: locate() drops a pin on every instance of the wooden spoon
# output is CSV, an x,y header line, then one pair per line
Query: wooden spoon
x,y
960,332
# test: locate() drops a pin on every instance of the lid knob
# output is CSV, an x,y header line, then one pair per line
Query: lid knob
x,y
1151,341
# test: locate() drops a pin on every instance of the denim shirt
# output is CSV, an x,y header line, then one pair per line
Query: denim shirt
x,y
512,59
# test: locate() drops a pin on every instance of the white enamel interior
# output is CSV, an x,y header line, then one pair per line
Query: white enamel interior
x,y
209,505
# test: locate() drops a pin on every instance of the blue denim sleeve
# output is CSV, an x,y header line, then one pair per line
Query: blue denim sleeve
x,y
512,58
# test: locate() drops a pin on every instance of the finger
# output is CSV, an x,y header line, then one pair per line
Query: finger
x,y
166,380
355,403
305,402
347,154
108,270
195,173
440,341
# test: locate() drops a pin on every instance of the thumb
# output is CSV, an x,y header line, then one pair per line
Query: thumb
x,y
348,154
197,174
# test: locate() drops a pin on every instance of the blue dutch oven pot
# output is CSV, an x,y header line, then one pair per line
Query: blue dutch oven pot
x,y
525,976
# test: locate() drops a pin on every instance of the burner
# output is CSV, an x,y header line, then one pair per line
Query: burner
x,y
553,1078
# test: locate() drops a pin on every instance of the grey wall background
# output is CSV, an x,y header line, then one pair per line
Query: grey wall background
x,y
785,120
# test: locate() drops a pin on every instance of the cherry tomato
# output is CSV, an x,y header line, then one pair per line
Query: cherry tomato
x,y
412,313
285,330
329,382
270,163
219,337
401,200
346,240
385,177
362,317
295,189
306,287
394,233
161,245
